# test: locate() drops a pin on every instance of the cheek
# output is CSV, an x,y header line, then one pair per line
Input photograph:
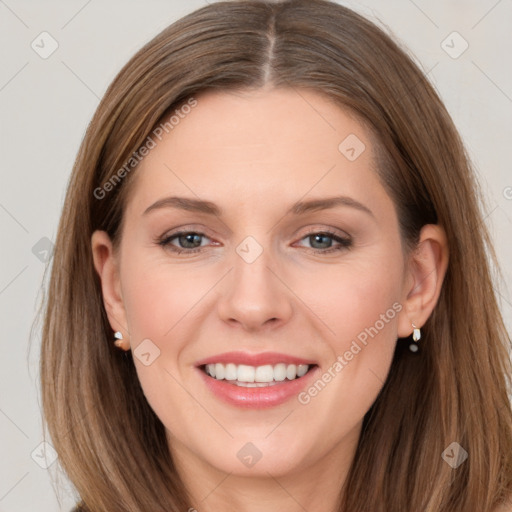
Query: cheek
x,y
359,306
159,301
371,307
369,329
158,297
358,299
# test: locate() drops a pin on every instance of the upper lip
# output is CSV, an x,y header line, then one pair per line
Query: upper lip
x,y
252,359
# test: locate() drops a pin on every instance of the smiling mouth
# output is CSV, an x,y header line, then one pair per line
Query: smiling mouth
x,y
256,376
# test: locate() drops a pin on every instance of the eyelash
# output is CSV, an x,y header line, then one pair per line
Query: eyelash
x,y
344,242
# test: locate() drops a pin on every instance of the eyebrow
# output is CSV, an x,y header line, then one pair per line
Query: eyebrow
x,y
298,208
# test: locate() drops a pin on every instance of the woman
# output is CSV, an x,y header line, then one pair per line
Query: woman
x,y
270,287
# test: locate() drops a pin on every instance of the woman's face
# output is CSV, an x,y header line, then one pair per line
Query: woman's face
x,y
272,275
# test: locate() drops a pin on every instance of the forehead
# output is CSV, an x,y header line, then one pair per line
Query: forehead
x,y
276,145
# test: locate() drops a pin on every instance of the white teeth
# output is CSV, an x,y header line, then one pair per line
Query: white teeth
x,y
302,370
280,372
231,372
244,373
291,371
264,373
219,371
254,384
210,369
256,376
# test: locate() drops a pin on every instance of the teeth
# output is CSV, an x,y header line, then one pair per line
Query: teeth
x,y
231,372
280,372
302,370
256,376
244,373
291,371
220,371
254,384
264,373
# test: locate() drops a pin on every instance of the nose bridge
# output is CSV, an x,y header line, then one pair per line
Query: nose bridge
x,y
253,294
251,268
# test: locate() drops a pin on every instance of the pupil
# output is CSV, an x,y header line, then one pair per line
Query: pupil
x,y
189,239
327,238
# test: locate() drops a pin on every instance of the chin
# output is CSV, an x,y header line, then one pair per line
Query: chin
x,y
256,456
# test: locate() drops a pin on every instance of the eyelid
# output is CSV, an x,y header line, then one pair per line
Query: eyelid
x,y
202,230
187,228
329,229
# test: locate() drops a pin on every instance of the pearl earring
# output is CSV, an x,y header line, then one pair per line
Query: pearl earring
x,y
416,336
119,343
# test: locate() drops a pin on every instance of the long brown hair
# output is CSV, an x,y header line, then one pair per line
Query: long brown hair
x,y
110,442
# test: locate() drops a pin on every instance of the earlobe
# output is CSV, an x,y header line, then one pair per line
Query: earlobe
x,y
427,268
106,266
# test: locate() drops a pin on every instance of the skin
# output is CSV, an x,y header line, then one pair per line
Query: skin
x,y
254,154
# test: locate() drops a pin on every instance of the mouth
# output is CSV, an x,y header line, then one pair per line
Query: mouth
x,y
256,381
256,376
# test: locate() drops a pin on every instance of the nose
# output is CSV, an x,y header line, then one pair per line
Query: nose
x,y
254,295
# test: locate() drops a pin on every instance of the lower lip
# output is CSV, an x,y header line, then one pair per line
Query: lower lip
x,y
257,398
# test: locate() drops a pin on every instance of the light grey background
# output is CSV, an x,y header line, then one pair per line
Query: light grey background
x,y
45,105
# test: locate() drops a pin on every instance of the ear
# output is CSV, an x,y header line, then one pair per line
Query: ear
x,y
107,267
426,270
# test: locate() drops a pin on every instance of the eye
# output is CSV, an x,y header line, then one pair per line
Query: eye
x,y
188,241
322,241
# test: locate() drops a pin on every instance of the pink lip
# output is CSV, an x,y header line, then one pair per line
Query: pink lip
x,y
258,398
254,359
